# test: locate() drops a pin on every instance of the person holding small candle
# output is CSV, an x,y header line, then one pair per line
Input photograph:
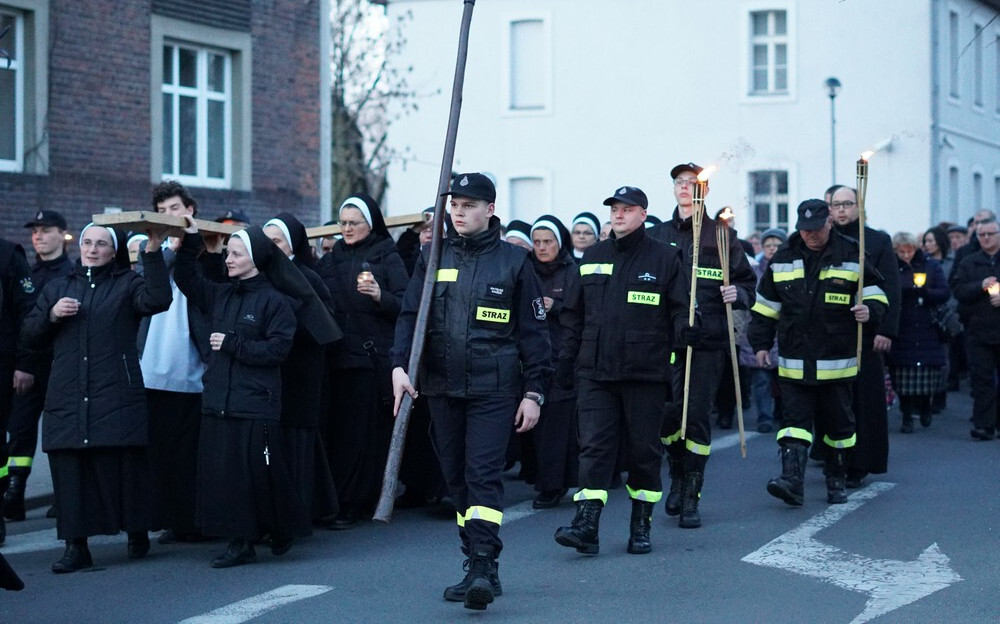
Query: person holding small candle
x,y
918,355
976,287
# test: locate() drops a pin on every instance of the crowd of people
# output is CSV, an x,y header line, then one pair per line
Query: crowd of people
x,y
244,387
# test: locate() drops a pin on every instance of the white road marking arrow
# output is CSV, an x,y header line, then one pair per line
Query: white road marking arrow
x,y
255,606
890,584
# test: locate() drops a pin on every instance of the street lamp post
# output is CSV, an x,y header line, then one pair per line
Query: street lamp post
x,y
833,88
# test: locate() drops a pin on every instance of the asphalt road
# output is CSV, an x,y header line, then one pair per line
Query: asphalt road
x,y
918,544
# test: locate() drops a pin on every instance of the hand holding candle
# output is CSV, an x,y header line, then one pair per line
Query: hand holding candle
x,y
919,279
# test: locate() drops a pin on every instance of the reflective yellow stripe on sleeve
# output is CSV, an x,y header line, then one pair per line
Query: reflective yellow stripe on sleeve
x,y
486,514
648,496
582,495
766,307
446,275
874,293
597,269
845,271
791,369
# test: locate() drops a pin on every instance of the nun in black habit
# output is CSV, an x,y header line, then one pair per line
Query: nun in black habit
x,y
245,488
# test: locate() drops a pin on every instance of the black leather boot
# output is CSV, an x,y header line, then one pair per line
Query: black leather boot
x,y
479,593
642,518
836,477
13,498
690,518
674,498
456,592
76,557
582,533
788,487
138,544
239,552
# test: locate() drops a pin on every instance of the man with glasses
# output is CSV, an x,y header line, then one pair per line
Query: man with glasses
x,y
971,246
975,285
709,339
871,453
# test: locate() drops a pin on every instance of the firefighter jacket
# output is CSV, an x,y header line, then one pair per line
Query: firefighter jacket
x,y
679,233
486,332
806,297
620,319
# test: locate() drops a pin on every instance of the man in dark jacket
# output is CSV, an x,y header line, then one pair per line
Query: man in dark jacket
x,y
48,237
618,331
975,285
488,361
688,457
17,297
871,453
806,297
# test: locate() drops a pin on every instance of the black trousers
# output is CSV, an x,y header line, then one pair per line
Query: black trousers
x,y
174,427
470,438
6,399
984,362
828,406
556,446
610,409
25,413
707,369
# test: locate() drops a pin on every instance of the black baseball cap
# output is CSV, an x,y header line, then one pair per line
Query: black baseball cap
x,y
629,195
681,168
46,218
474,186
813,214
233,215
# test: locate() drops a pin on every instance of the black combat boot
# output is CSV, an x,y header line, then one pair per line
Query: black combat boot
x,y
479,593
582,533
456,593
76,557
788,487
642,518
13,498
674,498
690,518
836,477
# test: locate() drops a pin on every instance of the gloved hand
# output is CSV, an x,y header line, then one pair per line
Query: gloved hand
x,y
691,336
564,377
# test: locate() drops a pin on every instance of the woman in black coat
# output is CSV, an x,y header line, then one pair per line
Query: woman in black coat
x,y
94,426
245,490
556,446
367,279
302,377
917,354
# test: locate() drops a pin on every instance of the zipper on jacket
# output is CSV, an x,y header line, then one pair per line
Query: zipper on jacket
x,y
128,375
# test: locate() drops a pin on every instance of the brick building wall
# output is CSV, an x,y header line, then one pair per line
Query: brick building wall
x,y
98,127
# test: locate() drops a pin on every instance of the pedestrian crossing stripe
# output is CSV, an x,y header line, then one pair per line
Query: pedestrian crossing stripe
x,y
645,298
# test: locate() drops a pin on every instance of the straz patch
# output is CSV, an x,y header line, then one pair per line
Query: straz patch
x,y
645,298
492,315
705,273
837,298
538,306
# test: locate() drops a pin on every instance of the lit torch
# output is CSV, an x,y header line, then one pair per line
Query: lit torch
x,y
722,223
994,288
862,192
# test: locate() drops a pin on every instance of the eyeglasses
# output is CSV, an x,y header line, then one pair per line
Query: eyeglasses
x,y
986,234
685,182
843,204
771,245
351,224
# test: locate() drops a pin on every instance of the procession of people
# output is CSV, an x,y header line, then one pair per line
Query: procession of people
x,y
243,388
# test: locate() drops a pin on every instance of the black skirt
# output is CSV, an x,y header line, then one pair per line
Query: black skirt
x,y
245,489
311,471
100,491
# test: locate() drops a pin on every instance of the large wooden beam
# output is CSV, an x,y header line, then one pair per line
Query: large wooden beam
x,y
142,220
323,231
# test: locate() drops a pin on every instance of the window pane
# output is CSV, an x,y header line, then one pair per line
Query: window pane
x,y
188,136
216,139
527,73
783,214
9,41
762,215
168,133
782,179
781,80
780,55
760,56
8,122
761,183
780,26
188,63
758,23
217,73
168,65
524,196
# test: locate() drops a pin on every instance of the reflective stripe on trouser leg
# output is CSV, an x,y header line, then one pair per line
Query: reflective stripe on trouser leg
x,y
20,462
840,444
583,495
707,369
795,433
461,519
644,495
486,514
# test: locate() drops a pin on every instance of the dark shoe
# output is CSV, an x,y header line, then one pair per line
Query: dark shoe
x,y
674,496
788,487
690,518
549,499
456,593
642,518
926,418
239,552
855,480
13,498
982,433
907,426
138,545
167,537
76,557
280,545
479,592
582,534
344,521
53,512
764,427
836,477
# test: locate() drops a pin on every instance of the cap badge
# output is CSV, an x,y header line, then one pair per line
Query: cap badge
x,y
623,190
464,181
39,216
808,213
229,214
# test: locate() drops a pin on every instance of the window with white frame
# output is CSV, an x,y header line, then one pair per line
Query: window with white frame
x,y
769,199
197,100
996,194
977,191
529,66
953,54
953,191
11,91
769,42
525,194
977,66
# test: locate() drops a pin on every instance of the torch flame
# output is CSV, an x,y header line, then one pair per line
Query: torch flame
x,y
726,214
866,156
707,171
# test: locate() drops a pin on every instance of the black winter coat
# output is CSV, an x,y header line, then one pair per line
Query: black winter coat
x,y
983,322
918,342
43,272
17,298
243,379
557,279
95,396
